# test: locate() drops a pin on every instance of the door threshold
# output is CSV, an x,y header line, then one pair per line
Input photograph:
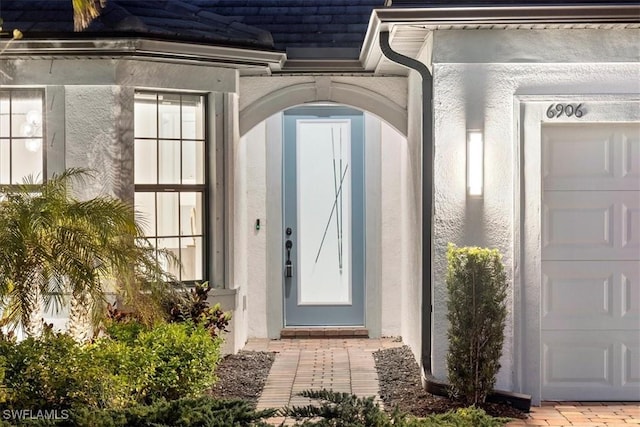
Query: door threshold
x,y
325,332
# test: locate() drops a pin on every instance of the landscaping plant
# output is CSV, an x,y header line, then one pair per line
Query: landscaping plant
x,y
192,305
347,410
53,371
55,247
476,285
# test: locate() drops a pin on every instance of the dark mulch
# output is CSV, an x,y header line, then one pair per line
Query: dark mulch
x,y
400,385
242,375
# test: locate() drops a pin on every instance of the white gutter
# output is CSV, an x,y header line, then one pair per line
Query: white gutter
x,y
488,16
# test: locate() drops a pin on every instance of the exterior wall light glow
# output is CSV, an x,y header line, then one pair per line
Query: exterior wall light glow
x,y
475,163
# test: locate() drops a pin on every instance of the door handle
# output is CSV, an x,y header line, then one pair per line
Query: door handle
x,y
288,265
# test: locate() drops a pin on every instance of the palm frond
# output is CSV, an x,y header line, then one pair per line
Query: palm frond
x,y
85,11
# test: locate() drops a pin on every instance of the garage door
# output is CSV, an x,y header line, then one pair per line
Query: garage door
x,y
590,306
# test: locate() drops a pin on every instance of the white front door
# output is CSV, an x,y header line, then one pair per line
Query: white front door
x,y
590,302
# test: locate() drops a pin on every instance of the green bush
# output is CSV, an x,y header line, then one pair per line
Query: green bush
x,y
56,372
188,412
187,357
477,288
168,361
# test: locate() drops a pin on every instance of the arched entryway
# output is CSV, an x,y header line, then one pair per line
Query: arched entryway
x,y
262,190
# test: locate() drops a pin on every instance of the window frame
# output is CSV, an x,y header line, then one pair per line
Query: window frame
x,y
203,189
11,138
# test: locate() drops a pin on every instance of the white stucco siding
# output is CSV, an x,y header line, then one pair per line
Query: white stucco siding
x,y
393,148
99,136
254,259
469,95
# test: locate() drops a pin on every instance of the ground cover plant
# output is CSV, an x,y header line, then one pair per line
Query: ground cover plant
x,y
343,409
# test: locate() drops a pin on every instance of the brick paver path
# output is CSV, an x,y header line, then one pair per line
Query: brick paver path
x,y
342,365
607,414
347,365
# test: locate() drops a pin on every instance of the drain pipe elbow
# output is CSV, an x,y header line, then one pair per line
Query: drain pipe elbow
x,y
427,189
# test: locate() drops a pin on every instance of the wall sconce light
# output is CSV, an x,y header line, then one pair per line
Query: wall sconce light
x,y
475,163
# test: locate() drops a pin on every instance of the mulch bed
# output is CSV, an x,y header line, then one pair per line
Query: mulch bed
x,y
242,376
400,386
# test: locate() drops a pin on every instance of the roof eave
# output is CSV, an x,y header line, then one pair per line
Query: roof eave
x,y
168,51
383,19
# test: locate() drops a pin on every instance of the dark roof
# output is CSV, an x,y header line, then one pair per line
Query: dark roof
x,y
481,3
170,19
302,23
302,28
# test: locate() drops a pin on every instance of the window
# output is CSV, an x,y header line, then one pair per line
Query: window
x,y
170,177
21,135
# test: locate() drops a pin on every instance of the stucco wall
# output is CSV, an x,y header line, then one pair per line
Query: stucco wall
x,y
99,136
471,94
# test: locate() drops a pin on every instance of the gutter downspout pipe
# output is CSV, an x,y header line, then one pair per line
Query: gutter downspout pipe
x,y
427,189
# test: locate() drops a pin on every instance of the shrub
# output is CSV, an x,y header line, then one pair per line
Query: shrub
x,y
52,372
187,412
55,372
186,359
476,285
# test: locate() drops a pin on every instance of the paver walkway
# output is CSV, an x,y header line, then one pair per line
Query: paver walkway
x,y
347,365
342,365
607,414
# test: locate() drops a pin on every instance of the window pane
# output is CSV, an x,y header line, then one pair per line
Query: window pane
x,y
145,116
4,161
193,162
169,157
191,214
26,160
167,214
324,196
192,117
26,113
5,120
172,246
169,112
145,161
146,206
191,251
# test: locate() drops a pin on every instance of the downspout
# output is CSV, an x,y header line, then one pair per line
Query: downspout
x,y
427,188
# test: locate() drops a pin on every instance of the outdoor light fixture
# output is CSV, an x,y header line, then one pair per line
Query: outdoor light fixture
x,y
475,163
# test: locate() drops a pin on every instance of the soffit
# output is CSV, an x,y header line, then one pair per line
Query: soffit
x,y
411,28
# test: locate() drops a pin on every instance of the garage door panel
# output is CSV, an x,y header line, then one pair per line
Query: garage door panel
x,y
631,364
590,365
590,290
631,155
590,156
590,295
595,225
631,226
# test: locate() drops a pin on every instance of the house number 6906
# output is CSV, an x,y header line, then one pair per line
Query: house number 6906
x,y
557,110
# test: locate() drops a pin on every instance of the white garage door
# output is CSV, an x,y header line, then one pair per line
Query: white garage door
x,y
590,305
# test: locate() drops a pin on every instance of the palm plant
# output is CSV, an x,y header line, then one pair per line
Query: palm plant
x,y
85,11
54,246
